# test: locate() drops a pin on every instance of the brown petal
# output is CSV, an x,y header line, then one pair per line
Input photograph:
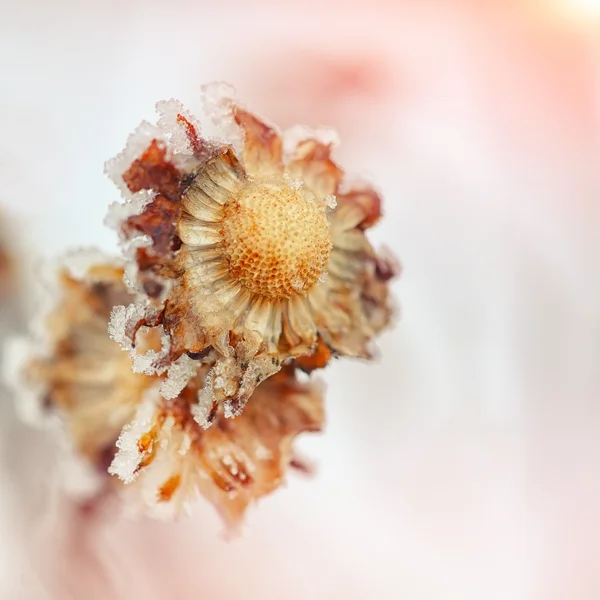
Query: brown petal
x,y
367,200
158,221
375,295
196,142
317,360
152,171
259,442
313,165
263,148
184,325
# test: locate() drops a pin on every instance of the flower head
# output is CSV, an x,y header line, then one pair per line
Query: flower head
x,y
250,256
76,371
117,421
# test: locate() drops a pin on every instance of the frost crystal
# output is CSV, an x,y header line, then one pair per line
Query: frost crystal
x,y
120,319
137,143
127,460
119,212
178,376
204,405
77,263
171,124
151,362
298,284
218,99
330,201
130,277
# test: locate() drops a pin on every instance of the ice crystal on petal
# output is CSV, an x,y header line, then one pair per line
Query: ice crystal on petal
x,y
120,323
178,375
176,123
137,143
167,458
119,212
126,462
330,201
78,263
218,99
205,404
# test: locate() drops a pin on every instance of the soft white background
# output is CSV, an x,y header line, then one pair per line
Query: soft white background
x,y
465,463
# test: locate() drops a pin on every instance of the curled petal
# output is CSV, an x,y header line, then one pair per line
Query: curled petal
x,y
312,164
368,203
358,208
263,148
375,297
152,171
317,360
158,223
253,374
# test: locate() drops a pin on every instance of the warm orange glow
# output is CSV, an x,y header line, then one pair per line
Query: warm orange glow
x,y
576,10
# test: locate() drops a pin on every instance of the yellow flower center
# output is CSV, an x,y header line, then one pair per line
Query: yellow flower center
x,y
276,240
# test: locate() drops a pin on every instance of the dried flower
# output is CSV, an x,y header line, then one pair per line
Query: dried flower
x,y
82,376
86,380
249,258
244,262
169,459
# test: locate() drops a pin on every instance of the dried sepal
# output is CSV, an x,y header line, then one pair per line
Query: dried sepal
x,y
254,258
168,459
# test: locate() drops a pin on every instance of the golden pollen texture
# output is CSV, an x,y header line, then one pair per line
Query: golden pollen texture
x,y
277,241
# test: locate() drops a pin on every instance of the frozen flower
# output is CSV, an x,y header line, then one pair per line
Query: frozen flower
x,y
251,257
168,459
87,384
81,375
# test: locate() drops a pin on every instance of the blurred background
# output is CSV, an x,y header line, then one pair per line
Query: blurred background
x,y
463,464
